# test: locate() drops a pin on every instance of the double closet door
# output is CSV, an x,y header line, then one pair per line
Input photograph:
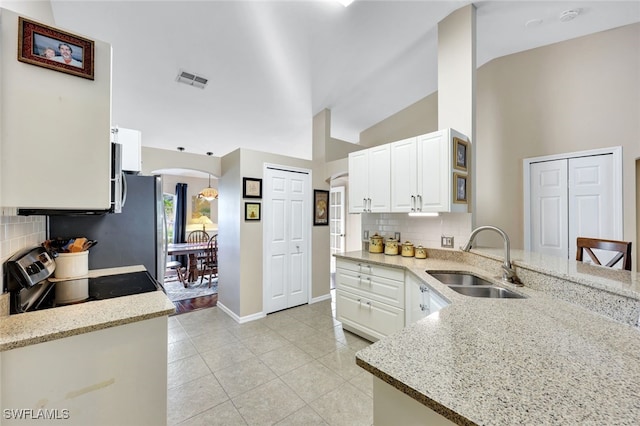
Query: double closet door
x,y
573,197
287,250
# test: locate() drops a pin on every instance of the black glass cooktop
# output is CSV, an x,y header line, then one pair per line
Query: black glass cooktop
x,y
106,287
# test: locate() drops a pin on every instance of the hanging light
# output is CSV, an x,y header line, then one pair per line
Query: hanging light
x,y
208,193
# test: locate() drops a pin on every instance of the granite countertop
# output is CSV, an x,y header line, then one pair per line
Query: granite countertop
x,y
538,360
49,324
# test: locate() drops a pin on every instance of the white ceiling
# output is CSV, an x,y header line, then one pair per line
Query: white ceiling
x,y
273,65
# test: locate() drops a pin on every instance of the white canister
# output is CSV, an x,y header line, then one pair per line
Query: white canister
x,y
72,291
72,265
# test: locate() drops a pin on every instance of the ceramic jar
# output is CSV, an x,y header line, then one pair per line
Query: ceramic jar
x,y
407,249
421,252
391,247
376,244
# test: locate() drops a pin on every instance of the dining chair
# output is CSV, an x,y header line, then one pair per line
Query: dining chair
x,y
198,237
210,264
622,249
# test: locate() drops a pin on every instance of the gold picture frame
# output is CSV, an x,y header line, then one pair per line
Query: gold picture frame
x,y
460,189
460,154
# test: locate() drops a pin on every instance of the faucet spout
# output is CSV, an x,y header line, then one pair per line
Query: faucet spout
x,y
508,272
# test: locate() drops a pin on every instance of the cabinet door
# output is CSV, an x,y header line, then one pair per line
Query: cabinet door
x,y
380,179
371,318
358,181
434,193
404,175
131,141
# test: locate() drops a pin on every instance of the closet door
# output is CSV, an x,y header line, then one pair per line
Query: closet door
x,y
549,208
573,197
287,216
591,201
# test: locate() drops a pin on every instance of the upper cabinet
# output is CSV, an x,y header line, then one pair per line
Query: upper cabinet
x,y
54,131
131,141
428,173
369,180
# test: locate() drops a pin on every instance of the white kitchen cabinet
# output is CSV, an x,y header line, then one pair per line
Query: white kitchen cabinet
x,y
369,180
369,298
131,141
422,173
421,300
55,131
113,376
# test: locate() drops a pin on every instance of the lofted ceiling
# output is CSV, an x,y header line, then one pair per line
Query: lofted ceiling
x,y
273,65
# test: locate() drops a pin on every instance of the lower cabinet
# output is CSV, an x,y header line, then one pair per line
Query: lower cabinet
x,y
420,300
369,298
374,301
363,315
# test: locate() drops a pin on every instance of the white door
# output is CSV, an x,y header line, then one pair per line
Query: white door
x,y
591,183
572,197
287,216
336,223
549,208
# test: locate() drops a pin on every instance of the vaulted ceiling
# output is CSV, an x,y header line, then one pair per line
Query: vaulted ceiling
x,y
273,65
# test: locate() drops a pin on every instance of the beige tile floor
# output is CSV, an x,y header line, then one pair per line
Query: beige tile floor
x,y
294,367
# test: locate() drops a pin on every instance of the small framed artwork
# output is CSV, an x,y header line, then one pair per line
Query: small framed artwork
x,y
251,188
460,148
48,47
251,211
459,188
320,207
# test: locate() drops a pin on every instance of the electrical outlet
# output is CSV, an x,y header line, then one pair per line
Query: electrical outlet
x,y
397,236
365,235
446,242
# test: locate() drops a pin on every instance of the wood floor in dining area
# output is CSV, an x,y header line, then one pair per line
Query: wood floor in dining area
x,y
188,305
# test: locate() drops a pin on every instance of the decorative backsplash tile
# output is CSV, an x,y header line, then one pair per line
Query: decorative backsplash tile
x,y
425,231
19,232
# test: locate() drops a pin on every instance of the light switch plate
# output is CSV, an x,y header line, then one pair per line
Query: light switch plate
x,y
397,236
365,235
446,242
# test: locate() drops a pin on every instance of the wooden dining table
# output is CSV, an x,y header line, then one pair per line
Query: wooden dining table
x,y
192,250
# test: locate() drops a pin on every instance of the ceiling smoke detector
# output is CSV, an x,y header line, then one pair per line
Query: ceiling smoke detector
x,y
192,79
569,15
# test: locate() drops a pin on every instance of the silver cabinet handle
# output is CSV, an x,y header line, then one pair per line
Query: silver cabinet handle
x,y
364,204
413,203
419,203
369,204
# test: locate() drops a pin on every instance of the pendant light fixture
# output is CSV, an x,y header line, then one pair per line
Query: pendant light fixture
x,y
208,193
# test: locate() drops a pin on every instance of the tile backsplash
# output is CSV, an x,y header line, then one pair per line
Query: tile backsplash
x,y
425,231
19,232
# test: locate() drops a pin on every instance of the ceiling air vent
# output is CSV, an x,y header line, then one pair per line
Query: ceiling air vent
x,y
192,79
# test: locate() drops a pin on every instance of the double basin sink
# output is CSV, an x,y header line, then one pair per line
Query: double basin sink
x,y
472,285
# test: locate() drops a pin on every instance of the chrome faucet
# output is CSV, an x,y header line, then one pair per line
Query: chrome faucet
x,y
508,272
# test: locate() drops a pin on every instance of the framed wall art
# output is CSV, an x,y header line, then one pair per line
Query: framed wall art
x,y
460,149
459,188
320,207
251,188
251,211
48,47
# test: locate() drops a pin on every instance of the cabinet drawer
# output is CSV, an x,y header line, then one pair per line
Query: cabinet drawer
x,y
371,317
368,268
377,288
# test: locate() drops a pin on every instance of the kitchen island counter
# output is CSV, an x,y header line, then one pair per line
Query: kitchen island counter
x,y
538,360
30,328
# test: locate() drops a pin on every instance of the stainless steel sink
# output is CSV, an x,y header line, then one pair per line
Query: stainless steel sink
x,y
486,291
474,286
458,278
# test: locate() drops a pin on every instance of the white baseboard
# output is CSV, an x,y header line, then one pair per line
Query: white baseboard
x,y
238,319
320,298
